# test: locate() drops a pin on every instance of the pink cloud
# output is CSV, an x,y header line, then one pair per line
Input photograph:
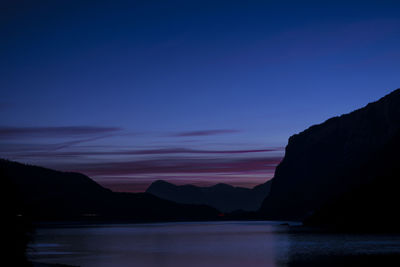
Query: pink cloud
x,y
179,166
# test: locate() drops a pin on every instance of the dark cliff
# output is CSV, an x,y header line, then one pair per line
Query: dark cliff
x,y
372,206
325,161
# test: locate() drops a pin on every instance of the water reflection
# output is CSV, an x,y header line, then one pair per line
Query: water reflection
x,y
327,249
201,244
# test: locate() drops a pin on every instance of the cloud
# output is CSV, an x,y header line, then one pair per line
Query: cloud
x,y
206,132
196,151
79,141
181,165
64,131
53,151
136,176
108,163
178,165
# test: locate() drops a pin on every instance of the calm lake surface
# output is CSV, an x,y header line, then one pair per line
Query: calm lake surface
x,y
266,244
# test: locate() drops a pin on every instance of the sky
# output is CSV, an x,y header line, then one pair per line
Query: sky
x,y
192,92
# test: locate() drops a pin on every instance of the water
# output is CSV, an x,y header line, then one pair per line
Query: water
x,y
266,244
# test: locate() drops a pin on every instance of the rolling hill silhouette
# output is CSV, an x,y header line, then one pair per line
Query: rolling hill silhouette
x,y
44,194
223,197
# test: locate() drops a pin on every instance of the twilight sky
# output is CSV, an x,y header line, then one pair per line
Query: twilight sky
x,y
197,92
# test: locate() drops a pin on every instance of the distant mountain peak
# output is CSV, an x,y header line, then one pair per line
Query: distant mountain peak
x,y
161,182
46,194
222,185
224,197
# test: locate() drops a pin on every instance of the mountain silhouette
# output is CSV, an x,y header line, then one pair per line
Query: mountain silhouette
x,y
223,197
372,206
47,195
340,161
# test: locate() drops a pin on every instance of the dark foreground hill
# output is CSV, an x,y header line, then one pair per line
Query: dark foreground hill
x,y
223,197
346,169
48,195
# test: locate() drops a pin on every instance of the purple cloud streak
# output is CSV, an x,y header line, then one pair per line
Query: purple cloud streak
x,y
107,165
206,132
52,151
179,166
136,176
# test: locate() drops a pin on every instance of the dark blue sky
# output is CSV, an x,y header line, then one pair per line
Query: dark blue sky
x,y
189,91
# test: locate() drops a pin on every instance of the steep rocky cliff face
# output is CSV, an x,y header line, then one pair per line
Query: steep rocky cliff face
x,y
324,161
372,206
